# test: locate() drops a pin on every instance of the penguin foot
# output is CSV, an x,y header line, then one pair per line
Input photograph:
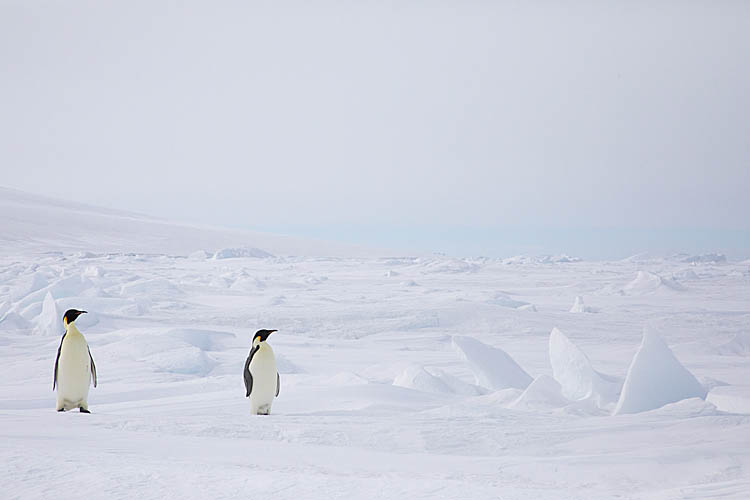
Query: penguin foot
x,y
84,411
61,409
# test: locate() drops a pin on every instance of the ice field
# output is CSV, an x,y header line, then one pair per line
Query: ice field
x,y
401,376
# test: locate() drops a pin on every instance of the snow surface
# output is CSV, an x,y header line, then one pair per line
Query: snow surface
x,y
388,389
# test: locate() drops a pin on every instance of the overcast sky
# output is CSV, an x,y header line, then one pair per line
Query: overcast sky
x,y
472,127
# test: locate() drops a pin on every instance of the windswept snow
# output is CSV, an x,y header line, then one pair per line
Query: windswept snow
x,y
401,377
656,378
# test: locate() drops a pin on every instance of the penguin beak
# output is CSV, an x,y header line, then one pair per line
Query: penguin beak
x,y
84,312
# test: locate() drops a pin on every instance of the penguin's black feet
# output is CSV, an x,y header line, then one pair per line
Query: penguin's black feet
x,y
84,411
61,409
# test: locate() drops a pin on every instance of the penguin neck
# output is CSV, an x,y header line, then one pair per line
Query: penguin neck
x,y
72,329
263,347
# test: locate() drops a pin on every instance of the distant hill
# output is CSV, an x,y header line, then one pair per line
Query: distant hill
x,y
31,223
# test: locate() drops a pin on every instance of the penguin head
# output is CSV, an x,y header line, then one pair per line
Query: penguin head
x,y
261,336
71,315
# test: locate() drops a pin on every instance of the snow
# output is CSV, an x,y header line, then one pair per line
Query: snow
x,y
543,393
233,253
434,380
48,322
493,368
580,307
578,380
739,345
387,390
656,378
649,282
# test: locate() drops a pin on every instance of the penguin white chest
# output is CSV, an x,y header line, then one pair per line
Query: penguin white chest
x,y
263,369
74,370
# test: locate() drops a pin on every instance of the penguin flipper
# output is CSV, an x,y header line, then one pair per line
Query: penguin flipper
x,y
57,361
278,384
93,367
247,374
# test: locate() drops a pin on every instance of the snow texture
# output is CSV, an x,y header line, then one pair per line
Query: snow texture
x,y
374,400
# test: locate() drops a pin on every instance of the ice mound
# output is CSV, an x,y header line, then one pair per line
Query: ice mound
x,y
648,282
572,369
205,340
242,252
493,368
49,322
738,346
580,307
706,258
527,307
187,360
543,393
543,259
656,378
434,380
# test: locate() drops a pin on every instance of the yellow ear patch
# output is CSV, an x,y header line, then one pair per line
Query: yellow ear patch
x,y
65,320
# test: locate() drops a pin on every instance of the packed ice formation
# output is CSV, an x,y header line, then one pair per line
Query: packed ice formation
x,y
580,307
493,368
572,369
656,378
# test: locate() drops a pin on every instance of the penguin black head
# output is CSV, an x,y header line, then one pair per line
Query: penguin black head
x,y
262,335
71,315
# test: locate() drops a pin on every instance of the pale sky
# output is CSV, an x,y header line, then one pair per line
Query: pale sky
x,y
471,127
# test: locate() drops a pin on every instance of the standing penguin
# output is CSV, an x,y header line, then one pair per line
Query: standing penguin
x,y
261,377
74,367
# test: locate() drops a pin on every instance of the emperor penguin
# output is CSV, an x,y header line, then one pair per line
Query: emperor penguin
x,y
74,367
261,377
